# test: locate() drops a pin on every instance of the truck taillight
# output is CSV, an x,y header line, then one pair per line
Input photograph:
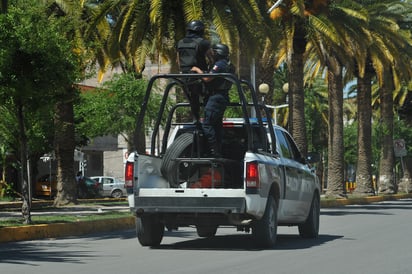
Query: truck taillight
x,y
128,175
252,175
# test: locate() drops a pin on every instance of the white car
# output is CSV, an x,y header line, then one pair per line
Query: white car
x,y
112,187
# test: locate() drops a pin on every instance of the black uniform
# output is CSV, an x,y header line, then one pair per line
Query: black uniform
x,y
216,106
192,52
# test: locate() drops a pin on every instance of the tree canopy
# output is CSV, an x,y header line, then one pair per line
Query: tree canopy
x,y
98,111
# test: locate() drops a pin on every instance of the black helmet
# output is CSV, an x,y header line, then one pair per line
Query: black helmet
x,y
196,26
221,50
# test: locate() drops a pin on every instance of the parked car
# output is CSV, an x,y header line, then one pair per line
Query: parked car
x,y
112,187
89,188
45,186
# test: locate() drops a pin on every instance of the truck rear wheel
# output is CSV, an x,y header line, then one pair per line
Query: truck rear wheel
x,y
310,228
265,230
181,146
149,231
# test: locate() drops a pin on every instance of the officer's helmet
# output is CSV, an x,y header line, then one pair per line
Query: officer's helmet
x,y
196,26
221,50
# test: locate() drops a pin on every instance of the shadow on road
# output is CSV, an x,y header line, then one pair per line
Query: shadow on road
x,y
30,252
241,242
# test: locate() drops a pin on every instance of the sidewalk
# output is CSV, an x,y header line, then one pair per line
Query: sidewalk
x,y
55,230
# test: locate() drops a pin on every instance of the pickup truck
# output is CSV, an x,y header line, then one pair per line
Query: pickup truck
x,y
260,182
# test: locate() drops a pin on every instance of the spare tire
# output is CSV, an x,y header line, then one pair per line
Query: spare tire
x,y
180,148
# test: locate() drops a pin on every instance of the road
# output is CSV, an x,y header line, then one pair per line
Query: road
x,y
365,239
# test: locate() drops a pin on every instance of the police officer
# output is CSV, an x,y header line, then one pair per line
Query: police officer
x,y
194,50
218,100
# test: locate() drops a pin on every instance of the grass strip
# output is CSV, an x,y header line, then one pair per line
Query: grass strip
x,y
49,219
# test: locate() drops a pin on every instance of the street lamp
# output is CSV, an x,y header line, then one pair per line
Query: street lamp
x,y
264,89
285,89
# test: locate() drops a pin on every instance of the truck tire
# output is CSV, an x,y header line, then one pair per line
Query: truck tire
x,y
206,231
149,231
264,230
310,228
180,147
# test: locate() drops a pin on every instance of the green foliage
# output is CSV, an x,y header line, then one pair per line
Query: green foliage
x,y
36,59
8,130
403,131
38,67
114,108
233,112
7,190
316,109
350,137
64,218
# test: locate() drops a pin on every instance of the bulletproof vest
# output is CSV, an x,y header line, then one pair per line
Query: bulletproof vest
x,y
188,49
222,84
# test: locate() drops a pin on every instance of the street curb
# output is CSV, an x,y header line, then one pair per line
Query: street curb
x,y
45,231
363,200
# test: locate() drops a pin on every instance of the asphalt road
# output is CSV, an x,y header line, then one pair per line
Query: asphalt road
x,y
364,239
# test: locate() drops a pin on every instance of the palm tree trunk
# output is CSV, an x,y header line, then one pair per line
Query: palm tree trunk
x,y
297,126
64,151
335,171
387,157
266,71
364,165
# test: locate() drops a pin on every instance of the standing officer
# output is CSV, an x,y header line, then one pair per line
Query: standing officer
x,y
218,100
194,50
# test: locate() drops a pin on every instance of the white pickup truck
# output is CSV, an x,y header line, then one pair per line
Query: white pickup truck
x,y
261,181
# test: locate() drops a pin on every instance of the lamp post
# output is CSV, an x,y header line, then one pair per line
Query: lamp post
x,y
275,108
264,89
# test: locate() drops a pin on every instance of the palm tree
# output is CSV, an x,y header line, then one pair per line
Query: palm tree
x,y
396,73
321,33
316,107
295,17
382,58
353,35
161,31
387,157
151,29
364,103
291,17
